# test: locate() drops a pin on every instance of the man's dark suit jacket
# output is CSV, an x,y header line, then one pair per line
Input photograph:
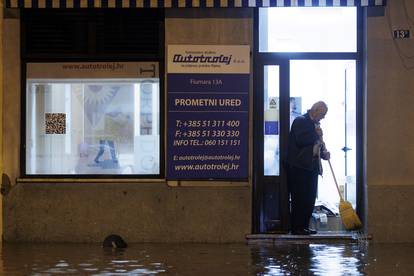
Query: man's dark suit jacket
x,y
302,138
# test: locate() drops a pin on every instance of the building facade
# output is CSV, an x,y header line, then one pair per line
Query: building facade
x,y
53,196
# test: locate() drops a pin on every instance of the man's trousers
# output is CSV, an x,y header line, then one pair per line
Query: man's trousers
x,y
303,186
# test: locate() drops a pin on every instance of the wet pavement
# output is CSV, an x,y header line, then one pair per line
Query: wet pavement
x,y
284,258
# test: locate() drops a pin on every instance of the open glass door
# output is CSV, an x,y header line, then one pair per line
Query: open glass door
x,y
349,148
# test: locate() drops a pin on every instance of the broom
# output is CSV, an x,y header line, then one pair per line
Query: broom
x,y
349,217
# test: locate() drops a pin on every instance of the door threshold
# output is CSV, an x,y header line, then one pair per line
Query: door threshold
x,y
320,236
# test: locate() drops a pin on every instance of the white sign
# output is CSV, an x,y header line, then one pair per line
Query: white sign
x,y
91,70
209,59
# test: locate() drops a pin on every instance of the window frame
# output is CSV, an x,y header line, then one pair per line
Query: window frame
x,y
24,102
92,56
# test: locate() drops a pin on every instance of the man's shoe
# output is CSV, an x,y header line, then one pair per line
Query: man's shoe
x,y
311,231
300,232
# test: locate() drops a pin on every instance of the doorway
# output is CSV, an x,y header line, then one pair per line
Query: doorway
x,y
334,82
286,86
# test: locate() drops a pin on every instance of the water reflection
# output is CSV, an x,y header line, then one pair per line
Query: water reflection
x,y
308,259
336,260
295,258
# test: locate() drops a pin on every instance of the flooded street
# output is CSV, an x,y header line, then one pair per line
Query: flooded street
x,y
287,258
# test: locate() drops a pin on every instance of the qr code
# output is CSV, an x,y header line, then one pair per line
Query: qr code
x,y
55,123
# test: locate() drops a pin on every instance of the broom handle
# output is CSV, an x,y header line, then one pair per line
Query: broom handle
x,y
336,183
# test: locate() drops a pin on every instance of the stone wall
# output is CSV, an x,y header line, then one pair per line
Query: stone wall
x,y
389,137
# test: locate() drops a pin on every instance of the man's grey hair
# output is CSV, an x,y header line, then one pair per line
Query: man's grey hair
x,y
318,106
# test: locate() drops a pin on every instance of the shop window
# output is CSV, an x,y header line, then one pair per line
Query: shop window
x,y
84,115
92,119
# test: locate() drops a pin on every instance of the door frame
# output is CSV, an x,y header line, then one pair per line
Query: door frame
x,y
262,183
261,59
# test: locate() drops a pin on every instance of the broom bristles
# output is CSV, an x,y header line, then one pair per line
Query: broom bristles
x,y
349,217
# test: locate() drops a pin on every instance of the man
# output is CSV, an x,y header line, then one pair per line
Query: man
x,y
305,150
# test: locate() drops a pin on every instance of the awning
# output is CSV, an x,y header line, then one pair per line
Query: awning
x,y
188,3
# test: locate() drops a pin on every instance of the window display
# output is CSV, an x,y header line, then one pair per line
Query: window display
x,y
92,126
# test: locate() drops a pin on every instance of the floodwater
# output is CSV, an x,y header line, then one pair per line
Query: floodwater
x,y
285,258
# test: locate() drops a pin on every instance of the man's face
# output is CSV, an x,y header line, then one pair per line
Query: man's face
x,y
320,114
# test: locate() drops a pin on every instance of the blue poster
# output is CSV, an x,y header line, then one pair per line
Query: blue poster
x,y
208,112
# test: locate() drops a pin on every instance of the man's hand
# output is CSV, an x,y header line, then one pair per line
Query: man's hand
x,y
326,155
319,131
